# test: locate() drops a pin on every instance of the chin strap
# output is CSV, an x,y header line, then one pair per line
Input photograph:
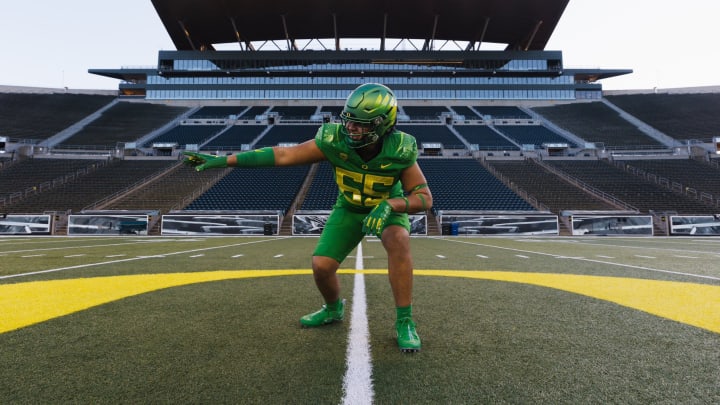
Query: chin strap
x,y
369,140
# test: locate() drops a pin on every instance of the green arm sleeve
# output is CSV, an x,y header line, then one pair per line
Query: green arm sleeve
x,y
263,157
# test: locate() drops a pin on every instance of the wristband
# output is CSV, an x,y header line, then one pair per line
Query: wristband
x,y
419,187
422,199
407,204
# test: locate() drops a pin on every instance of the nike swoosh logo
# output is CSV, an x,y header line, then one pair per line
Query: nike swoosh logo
x,y
385,166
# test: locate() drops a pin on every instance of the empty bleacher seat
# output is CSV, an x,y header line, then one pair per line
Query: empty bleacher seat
x,y
221,112
294,112
485,137
87,189
287,134
261,188
502,112
253,112
464,184
466,112
598,123
681,116
532,135
40,116
433,134
640,193
549,189
234,137
323,191
424,112
186,134
124,122
333,110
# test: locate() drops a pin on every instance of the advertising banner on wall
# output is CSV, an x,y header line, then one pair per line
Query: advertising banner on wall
x,y
12,224
108,224
488,224
313,223
220,224
612,225
708,225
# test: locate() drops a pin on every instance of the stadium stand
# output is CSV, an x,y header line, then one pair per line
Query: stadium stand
x,y
425,112
124,122
583,119
186,134
248,189
642,194
681,116
686,175
294,112
40,116
485,137
550,190
433,134
507,91
532,135
323,190
170,191
598,123
466,112
32,176
287,134
334,110
475,189
6,161
95,185
221,112
502,112
252,112
235,137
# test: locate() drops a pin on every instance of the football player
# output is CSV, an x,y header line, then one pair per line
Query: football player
x,y
379,183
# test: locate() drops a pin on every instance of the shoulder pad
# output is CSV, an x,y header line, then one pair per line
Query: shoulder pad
x,y
327,133
405,145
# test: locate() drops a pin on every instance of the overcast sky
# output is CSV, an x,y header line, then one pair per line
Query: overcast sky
x,y
52,43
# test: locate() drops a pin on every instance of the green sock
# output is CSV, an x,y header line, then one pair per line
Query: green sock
x,y
404,312
333,306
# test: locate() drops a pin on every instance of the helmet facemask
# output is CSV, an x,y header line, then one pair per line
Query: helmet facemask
x,y
360,133
370,113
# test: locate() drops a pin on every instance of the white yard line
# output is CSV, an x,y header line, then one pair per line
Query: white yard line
x,y
357,383
581,259
73,247
664,249
130,259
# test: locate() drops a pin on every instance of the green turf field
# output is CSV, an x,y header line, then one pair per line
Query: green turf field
x,y
503,320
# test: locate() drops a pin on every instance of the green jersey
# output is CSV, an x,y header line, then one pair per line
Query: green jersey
x,y
362,185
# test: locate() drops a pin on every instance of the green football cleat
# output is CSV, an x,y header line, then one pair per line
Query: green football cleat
x,y
324,316
407,337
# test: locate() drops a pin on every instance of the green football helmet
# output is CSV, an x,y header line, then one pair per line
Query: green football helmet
x,y
372,106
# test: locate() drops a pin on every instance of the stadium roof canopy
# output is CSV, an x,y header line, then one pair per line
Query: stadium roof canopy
x,y
203,24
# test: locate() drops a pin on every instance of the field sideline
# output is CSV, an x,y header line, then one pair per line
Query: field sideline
x,y
503,320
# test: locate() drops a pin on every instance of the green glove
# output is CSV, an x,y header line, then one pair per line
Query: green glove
x,y
201,161
375,221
